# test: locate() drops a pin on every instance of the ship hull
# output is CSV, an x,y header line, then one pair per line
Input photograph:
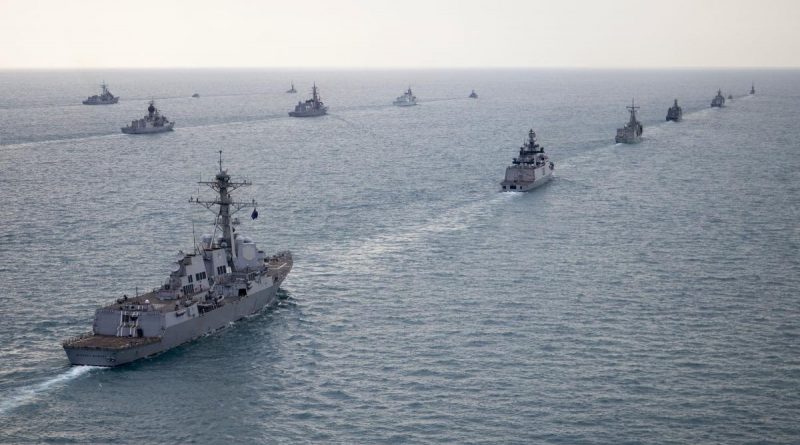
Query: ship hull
x,y
526,186
147,130
101,102
178,334
404,104
308,113
628,140
674,115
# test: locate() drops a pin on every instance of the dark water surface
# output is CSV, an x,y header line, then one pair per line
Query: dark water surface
x,y
649,294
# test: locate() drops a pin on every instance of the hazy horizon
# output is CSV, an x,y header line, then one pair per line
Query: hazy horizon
x,y
415,34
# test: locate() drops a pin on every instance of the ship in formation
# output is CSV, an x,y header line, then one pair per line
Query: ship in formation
x,y
408,99
291,90
196,95
530,169
631,133
719,100
152,122
226,278
753,88
473,95
312,107
104,98
675,112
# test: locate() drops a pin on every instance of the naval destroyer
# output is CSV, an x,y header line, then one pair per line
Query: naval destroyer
x,y
473,95
675,112
312,107
408,99
291,90
753,88
718,100
631,133
104,98
530,170
225,279
152,122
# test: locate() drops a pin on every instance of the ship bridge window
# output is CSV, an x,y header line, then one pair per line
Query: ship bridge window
x,y
188,289
190,278
220,270
200,276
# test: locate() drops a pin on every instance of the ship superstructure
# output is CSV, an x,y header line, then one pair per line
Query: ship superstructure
x,y
753,88
408,99
675,112
473,95
719,100
226,278
631,133
291,90
312,107
152,122
104,98
530,169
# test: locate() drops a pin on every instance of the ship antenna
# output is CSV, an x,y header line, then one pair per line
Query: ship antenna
x,y
223,187
194,238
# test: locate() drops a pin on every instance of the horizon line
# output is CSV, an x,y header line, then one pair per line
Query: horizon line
x,y
400,68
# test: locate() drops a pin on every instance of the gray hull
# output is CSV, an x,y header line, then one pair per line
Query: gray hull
x,y
234,309
308,113
525,186
628,139
101,102
148,130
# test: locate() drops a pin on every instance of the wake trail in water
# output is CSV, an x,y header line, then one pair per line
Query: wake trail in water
x,y
27,394
385,140
441,99
84,137
452,220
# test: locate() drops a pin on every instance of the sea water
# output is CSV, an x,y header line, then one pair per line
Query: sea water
x,y
648,294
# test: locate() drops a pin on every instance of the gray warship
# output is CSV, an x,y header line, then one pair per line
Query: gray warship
x,y
753,88
104,98
631,133
473,95
291,90
530,170
408,99
225,279
718,100
152,122
675,113
312,107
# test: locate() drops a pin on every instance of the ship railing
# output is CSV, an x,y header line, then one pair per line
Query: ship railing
x,y
77,338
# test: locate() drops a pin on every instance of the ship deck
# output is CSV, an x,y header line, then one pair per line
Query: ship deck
x,y
91,341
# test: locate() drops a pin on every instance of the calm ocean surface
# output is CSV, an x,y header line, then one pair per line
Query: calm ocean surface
x,y
649,294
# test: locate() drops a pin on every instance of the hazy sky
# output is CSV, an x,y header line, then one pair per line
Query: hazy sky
x,y
403,33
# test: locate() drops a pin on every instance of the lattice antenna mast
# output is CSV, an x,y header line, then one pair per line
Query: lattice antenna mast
x,y
223,186
633,109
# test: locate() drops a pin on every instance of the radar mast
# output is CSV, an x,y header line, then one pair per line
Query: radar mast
x,y
223,186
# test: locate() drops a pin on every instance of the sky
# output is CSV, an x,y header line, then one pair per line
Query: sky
x,y
86,34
